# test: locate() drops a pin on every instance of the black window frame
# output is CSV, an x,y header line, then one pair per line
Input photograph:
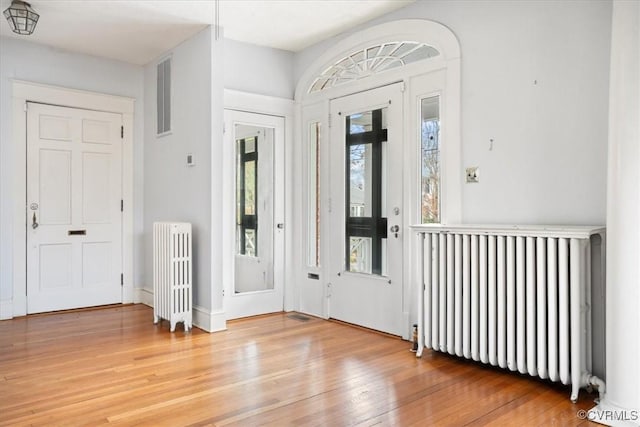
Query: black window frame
x,y
244,221
375,226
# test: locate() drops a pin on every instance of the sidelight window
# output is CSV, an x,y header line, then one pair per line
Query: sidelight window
x,y
430,159
313,192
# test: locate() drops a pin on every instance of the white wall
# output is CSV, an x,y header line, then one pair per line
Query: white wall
x,y
23,60
623,212
257,69
534,79
175,191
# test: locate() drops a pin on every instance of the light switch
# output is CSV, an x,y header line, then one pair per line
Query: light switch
x,y
473,174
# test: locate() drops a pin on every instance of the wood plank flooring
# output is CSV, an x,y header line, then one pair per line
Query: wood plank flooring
x,y
113,366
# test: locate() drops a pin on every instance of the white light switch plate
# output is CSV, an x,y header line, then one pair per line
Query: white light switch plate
x,y
473,174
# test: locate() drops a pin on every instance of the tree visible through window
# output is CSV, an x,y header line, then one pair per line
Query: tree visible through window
x,y
430,160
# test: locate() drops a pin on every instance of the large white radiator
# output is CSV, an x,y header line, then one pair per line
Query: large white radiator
x,y
514,297
172,266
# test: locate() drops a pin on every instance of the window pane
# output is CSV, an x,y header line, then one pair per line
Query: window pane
x,y
250,242
360,254
430,164
250,145
250,188
360,122
372,60
360,180
313,191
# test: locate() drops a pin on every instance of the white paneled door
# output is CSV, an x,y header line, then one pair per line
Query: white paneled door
x,y
74,224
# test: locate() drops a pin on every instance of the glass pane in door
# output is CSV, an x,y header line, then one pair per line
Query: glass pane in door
x,y
365,187
360,176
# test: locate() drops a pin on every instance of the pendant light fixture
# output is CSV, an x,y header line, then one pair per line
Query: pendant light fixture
x,y
21,16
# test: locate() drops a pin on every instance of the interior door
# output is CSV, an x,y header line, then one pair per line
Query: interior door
x,y
74,187
366,198
256,145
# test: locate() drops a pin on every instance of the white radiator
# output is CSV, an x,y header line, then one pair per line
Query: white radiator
x,y
514,297
172,278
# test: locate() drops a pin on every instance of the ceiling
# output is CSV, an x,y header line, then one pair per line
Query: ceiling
x,y
138,31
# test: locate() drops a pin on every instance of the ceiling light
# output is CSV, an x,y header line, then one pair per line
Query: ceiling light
x,y
22,18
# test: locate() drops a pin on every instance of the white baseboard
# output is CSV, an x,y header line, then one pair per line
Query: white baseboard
x,y
611,415
209,321
6,309
202,318
143,296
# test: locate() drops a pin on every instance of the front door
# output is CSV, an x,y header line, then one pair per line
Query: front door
x,y
366,197
256,284
74,224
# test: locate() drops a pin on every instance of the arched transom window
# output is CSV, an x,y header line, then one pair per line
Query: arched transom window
x,y
372,60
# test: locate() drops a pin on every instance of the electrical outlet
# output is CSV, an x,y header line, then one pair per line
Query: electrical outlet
x,y
473,174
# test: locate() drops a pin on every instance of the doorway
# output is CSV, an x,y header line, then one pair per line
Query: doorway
x,y
256,285
74,208
366,201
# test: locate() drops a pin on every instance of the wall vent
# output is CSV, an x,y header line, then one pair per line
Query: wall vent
x,y
164,96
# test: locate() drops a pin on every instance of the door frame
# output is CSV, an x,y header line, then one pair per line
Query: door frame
x,y
314,281
271,106
24,92
244,302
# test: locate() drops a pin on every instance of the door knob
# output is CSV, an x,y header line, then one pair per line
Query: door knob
x,y
395,229
34,224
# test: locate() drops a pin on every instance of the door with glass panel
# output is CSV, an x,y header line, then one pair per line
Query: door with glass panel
x,y
256,142
366,201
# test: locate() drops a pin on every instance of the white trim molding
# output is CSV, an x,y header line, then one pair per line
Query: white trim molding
x,y
24,92
209,321
202,318
143,296
6,309
280,107
609,414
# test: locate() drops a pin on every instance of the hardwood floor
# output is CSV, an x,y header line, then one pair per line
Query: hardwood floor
x,y
113,366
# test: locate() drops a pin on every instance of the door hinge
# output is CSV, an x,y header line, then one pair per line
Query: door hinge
x,y
122,132
330,119
121,279
121,205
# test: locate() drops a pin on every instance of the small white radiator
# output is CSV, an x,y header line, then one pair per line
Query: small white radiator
x,y
514,297
172,277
